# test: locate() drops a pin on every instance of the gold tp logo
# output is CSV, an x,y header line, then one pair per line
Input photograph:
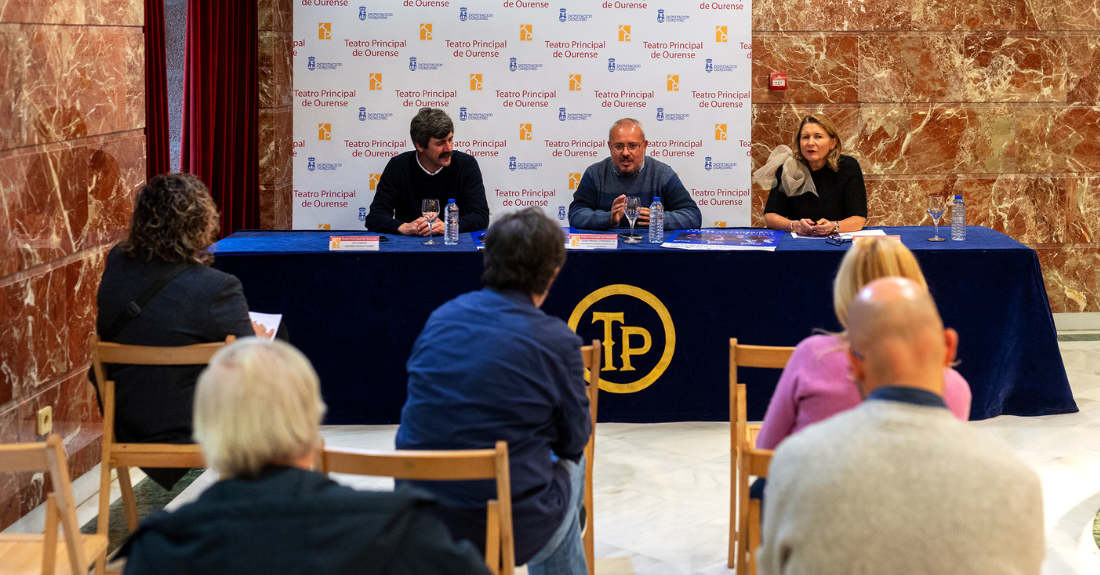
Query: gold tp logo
x,y
425,31
574,180
475,82
719,131
325,227
324,30
324,131
525,132
374,181
574,82
376,81
673,82
720,34
526,33
716,224
624,32
624,342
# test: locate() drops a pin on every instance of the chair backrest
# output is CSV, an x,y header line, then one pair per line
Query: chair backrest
x,y
442,465
590,357
49,456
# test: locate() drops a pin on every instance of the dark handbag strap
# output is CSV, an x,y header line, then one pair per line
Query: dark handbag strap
x,y
133,309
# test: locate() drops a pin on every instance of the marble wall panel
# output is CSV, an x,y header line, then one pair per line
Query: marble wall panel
x,y
276,208
64,197
1083,65
275,15
266,145
1083,211
1058,138
1072,277
911,68
266,68
820,67
796,16
61,82
1014,68
78,12
284,69
1069,14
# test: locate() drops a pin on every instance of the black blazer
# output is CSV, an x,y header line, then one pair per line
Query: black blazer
x,y
153,404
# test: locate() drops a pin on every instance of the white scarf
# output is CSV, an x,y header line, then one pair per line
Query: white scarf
x,y
796,175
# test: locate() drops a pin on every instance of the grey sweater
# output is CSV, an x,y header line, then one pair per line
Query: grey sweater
x,y
895,488
600,185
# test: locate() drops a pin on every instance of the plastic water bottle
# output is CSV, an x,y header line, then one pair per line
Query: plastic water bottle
x,y
656,221
450,233
958,219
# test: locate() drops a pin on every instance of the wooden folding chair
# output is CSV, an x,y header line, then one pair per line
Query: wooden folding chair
x,y
444,466
40,554
745,459
122,456
590,355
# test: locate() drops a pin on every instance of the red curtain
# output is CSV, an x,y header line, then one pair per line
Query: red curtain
x,y
221,103
156,91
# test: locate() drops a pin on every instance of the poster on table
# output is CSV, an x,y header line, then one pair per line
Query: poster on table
x,y
532,88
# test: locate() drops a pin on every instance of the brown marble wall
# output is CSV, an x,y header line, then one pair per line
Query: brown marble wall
x,y
996,100
72,155
276,21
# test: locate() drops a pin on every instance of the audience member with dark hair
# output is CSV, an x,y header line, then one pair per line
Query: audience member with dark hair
x,y
257,411
490,365
433,170
173,224
898,484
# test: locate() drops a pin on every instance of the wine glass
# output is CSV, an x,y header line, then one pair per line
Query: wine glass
x,y
430,210
633,204
936,207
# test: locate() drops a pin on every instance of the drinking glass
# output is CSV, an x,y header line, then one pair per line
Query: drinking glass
x,y
936,207
632,208
430,210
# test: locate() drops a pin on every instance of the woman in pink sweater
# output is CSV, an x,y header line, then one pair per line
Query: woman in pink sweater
x,y
816,384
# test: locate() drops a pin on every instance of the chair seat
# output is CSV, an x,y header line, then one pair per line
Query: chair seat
x,y
23,553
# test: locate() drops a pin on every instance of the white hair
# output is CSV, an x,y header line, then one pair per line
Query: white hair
x,y
257,403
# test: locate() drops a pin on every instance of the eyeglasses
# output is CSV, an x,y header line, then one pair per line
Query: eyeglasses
x,y
837,240
633,146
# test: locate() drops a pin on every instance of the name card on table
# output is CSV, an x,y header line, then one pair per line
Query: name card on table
x,y
592,242
353,243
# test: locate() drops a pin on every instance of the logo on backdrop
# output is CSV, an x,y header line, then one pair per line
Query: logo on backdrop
x,y
561,15
362,114
721,34
574,180
311,164
526,33
709,165
561,213
670,18
610,64
376,81
660,114
324,131
412,63
462,114
611,308
720,132
564,17
673,82
324,30
524,132
512,64
362,12
362,214
561,114
712,67
624,32
312,64
374,181
574,82
512,163
706,163
660,16
425,31
462,13
475,82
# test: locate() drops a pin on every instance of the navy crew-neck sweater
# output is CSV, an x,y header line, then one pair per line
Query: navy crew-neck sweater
x,y
601,184
404,184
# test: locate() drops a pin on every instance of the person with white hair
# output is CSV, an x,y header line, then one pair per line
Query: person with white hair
x,y
898,484
258,409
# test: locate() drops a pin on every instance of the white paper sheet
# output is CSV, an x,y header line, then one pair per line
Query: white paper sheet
x,y
268,320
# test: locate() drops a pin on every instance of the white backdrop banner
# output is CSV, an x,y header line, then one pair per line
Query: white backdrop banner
x,y
532,88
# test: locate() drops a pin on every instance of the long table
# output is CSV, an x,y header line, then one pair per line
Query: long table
x,y
357,314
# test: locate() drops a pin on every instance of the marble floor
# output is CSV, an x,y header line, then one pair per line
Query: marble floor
x,y
662,490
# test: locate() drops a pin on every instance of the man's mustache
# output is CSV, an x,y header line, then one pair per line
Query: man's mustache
x,y
445,155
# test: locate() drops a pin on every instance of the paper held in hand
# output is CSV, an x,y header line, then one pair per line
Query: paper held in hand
x,y
270,321
353,243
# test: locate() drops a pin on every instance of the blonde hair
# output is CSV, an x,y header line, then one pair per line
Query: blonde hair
x,y
869,259
833,158
258,402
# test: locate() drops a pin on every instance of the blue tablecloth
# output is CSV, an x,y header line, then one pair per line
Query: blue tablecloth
x,y
356,315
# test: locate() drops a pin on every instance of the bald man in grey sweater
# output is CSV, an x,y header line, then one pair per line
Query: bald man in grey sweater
x,y
898,485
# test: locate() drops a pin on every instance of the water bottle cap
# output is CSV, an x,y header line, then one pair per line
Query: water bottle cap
x,y
958,197
657,198
451,201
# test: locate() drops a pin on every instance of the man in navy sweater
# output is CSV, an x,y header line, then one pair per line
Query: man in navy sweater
x,y
490,365
600,200
434,170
